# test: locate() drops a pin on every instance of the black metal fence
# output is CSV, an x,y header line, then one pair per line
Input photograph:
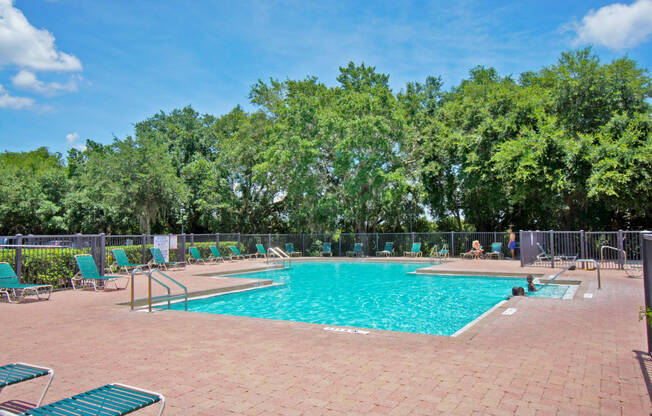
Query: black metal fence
x,y
50,258
646,248
613,249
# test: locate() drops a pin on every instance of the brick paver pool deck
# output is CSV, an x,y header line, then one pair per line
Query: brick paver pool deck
x,y
552,357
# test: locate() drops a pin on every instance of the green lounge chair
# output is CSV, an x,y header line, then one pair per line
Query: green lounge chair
x,y
496,251
415,251
215,254
19,372
388,250
236,253
122,261
110,400
10,286
89,276
261,251
289,248
196,257
357,250
326,250
444,252
159,261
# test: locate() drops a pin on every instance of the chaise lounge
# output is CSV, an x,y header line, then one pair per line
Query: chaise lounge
x,y
89,276
10,286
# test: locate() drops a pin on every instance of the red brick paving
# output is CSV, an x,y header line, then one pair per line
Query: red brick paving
x,y
552,357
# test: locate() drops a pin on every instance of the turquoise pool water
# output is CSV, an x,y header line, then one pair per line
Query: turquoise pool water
x,y
368,295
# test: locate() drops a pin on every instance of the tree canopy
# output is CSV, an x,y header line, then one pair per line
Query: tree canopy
x,y
567,147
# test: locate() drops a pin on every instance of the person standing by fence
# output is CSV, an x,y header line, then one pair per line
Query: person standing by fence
x,y
512,242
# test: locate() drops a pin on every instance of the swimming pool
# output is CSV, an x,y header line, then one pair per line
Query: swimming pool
x,y
368,295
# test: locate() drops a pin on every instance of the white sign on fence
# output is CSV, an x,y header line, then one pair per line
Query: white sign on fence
x,y
162,242
173,242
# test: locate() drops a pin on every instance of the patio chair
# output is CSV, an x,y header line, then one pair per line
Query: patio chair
x,y
236,253
89,276
18,372
159,261
10,286
388,250
195,256
326,250
415,251
444,252
111,400
289,248
215,254
496,251
122,261
261,251
356,252
544,256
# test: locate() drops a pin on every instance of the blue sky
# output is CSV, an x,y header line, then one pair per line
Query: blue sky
x,y
72,70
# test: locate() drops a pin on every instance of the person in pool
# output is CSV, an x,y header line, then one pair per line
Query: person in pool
x,y
512,242
517,291
530,283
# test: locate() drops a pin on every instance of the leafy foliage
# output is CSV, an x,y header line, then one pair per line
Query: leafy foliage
x,y
567,146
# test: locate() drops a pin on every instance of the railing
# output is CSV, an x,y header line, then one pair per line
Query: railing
x,y
574,263
169,297
282,255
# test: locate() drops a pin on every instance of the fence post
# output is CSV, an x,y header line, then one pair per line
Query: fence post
x,y
192,239
269,241
217,241
520,240
495,237
143,247
582,245
412,233
182,247
102,252
452,244
621,249
339,250
303,244
552,249
19,255
376,243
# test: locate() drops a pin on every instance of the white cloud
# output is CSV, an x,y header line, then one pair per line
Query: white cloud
x,y
71,139
27,80
617,26
26,46
14,103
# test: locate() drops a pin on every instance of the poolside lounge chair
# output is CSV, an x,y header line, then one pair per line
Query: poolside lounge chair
x,y
122,261
195,256
236,253
10,286
326,250
357,250
444,252
18,372
544,256
473,253
111,400
415,251
215,254
496,251
261,251
289,248
89,276
388,250
159,261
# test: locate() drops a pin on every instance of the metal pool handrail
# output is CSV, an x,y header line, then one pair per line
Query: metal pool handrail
x,y
574,262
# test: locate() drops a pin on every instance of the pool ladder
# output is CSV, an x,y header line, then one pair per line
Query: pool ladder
x,y
169,297
284,258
